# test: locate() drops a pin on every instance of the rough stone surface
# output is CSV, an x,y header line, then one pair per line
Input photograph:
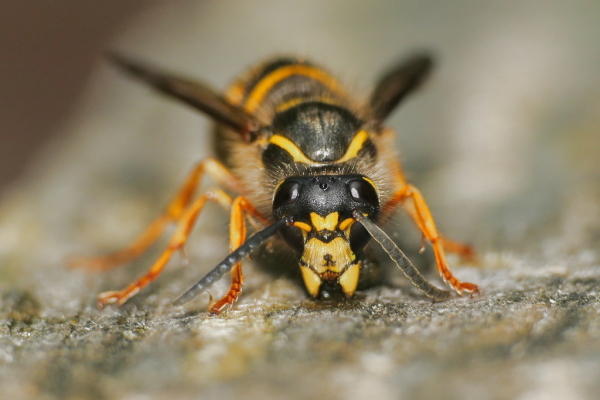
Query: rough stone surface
x,y
507,154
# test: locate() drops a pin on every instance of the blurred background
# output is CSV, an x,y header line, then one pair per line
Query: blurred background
x,y
47,52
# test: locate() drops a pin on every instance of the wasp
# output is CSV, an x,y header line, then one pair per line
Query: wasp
x,y
297,157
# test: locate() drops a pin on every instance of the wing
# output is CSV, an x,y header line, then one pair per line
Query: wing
x,y
195,94
397,83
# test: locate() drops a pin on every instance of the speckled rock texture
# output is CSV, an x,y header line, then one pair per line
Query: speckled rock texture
x,y
504,143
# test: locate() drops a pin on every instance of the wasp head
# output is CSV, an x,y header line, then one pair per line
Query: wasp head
x,y
324,231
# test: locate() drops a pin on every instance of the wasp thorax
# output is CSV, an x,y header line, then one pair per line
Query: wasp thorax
x,y
324,231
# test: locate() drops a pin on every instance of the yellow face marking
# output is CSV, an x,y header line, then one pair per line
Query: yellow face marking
x,y
291,148
329,222
355,146
263,87
349,279
333,257
346,223
304,226
312,281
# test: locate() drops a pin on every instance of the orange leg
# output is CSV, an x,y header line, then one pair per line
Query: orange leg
x,y
174,212
414,203
237,235
184,227
465,251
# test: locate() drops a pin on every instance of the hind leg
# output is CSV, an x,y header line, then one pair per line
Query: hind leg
x,y
178,239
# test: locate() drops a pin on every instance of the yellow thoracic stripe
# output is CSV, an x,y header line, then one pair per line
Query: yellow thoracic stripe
x,y
355,146
259,92
291,148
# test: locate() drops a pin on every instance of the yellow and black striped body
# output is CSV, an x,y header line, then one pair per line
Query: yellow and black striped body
x,y
315,131
314,128
311,118
305,160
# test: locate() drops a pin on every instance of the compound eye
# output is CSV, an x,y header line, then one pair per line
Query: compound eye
x,y
287,193
362,192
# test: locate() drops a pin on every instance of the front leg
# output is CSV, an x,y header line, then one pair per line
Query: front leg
x,y
237,235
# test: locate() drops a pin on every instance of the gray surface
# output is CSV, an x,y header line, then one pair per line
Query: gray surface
x,y
504,144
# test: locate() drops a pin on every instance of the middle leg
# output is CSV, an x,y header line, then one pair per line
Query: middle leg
x,y
414,203
173,213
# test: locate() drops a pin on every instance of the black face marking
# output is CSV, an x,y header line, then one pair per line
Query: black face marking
x,y
322,131
328,260
326,235
323,195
